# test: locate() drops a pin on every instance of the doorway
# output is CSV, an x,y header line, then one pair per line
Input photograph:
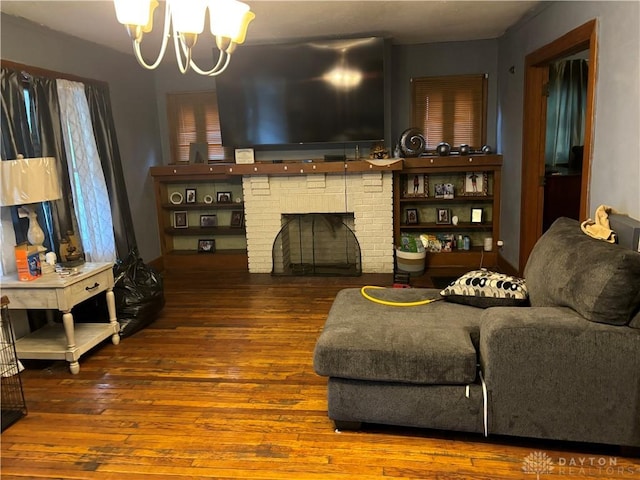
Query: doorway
x,y
564,138
537,68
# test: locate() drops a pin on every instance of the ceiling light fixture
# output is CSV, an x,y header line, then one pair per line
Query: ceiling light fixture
x,y
229,20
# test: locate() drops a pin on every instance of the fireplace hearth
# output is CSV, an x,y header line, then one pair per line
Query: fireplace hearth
x,y
316,244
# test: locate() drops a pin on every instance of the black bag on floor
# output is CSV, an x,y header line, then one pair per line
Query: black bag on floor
x,y
139,294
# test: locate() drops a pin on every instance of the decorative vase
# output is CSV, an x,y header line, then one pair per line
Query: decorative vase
x,y
412,143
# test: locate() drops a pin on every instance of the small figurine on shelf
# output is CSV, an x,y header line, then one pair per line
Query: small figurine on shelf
x,y
70,253
378,151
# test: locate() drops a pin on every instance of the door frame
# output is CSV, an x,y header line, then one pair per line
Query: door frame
x,y
534,130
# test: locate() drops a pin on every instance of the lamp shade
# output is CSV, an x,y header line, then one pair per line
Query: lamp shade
x,y
188,15
28,180
230,18
133,12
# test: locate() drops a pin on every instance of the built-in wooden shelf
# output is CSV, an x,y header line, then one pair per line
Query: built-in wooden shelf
x,y
443,227
204,206
195,231
452,169
456,199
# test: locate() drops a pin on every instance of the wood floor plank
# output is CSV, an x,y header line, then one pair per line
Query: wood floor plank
x,y
222,386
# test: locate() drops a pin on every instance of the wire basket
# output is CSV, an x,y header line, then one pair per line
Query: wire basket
x,y
12,401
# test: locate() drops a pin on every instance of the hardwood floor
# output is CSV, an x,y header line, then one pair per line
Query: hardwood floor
x,y
222,386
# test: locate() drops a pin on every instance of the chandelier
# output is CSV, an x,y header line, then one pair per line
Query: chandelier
x,y
229,20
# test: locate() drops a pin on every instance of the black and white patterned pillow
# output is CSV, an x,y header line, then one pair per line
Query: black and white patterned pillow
x,y
484,289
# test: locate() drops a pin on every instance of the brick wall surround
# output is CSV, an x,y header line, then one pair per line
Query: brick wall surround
x,y
367,195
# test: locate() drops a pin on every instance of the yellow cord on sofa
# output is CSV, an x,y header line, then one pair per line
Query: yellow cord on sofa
x,y
364,293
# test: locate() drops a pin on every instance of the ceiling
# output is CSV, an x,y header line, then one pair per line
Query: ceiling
x,y
405,22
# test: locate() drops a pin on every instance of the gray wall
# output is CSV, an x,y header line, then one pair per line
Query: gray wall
x,y
133,100
138,99
451,58
407,61
615,175
168,79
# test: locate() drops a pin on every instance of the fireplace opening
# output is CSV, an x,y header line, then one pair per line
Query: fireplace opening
x,y
317,244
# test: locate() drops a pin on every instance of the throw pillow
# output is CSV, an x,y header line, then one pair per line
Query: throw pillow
x,y
484,289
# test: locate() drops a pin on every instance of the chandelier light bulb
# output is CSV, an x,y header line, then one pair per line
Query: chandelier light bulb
x,y
184,20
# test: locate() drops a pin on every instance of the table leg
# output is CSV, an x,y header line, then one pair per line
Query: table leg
x,y
69,331
111,307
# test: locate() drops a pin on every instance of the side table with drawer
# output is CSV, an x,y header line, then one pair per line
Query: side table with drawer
x,y
54,292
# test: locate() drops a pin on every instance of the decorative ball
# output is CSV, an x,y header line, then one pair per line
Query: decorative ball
x,y
443,149
486,149
464,149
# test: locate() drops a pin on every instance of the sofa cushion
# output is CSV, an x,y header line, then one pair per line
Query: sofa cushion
x,y
426,344
599,280
484,289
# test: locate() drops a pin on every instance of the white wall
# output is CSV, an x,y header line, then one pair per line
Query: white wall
x,y
615,176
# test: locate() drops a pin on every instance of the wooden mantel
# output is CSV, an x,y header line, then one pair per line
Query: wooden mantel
x,y
285,168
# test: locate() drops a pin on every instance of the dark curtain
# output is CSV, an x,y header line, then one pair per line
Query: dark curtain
x,y
43,139
16,137
107,143
44,97
566,110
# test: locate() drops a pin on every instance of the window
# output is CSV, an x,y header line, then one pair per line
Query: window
x,y
450,109
193,118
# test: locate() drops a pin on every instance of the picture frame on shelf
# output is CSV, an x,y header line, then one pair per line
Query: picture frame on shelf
x,y
412,216
443,216
446,240
477,215
444,190
180,219
475,184
224,197
237,219
448,191
209,220
190,195
417,186
198,152
206,245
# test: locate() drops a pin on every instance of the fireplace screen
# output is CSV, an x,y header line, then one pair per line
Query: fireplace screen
x,y
316,244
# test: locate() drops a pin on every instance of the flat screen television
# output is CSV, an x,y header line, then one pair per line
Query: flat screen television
x,y
316,92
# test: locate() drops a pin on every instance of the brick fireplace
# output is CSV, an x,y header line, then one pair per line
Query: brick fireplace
x,y
366,195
